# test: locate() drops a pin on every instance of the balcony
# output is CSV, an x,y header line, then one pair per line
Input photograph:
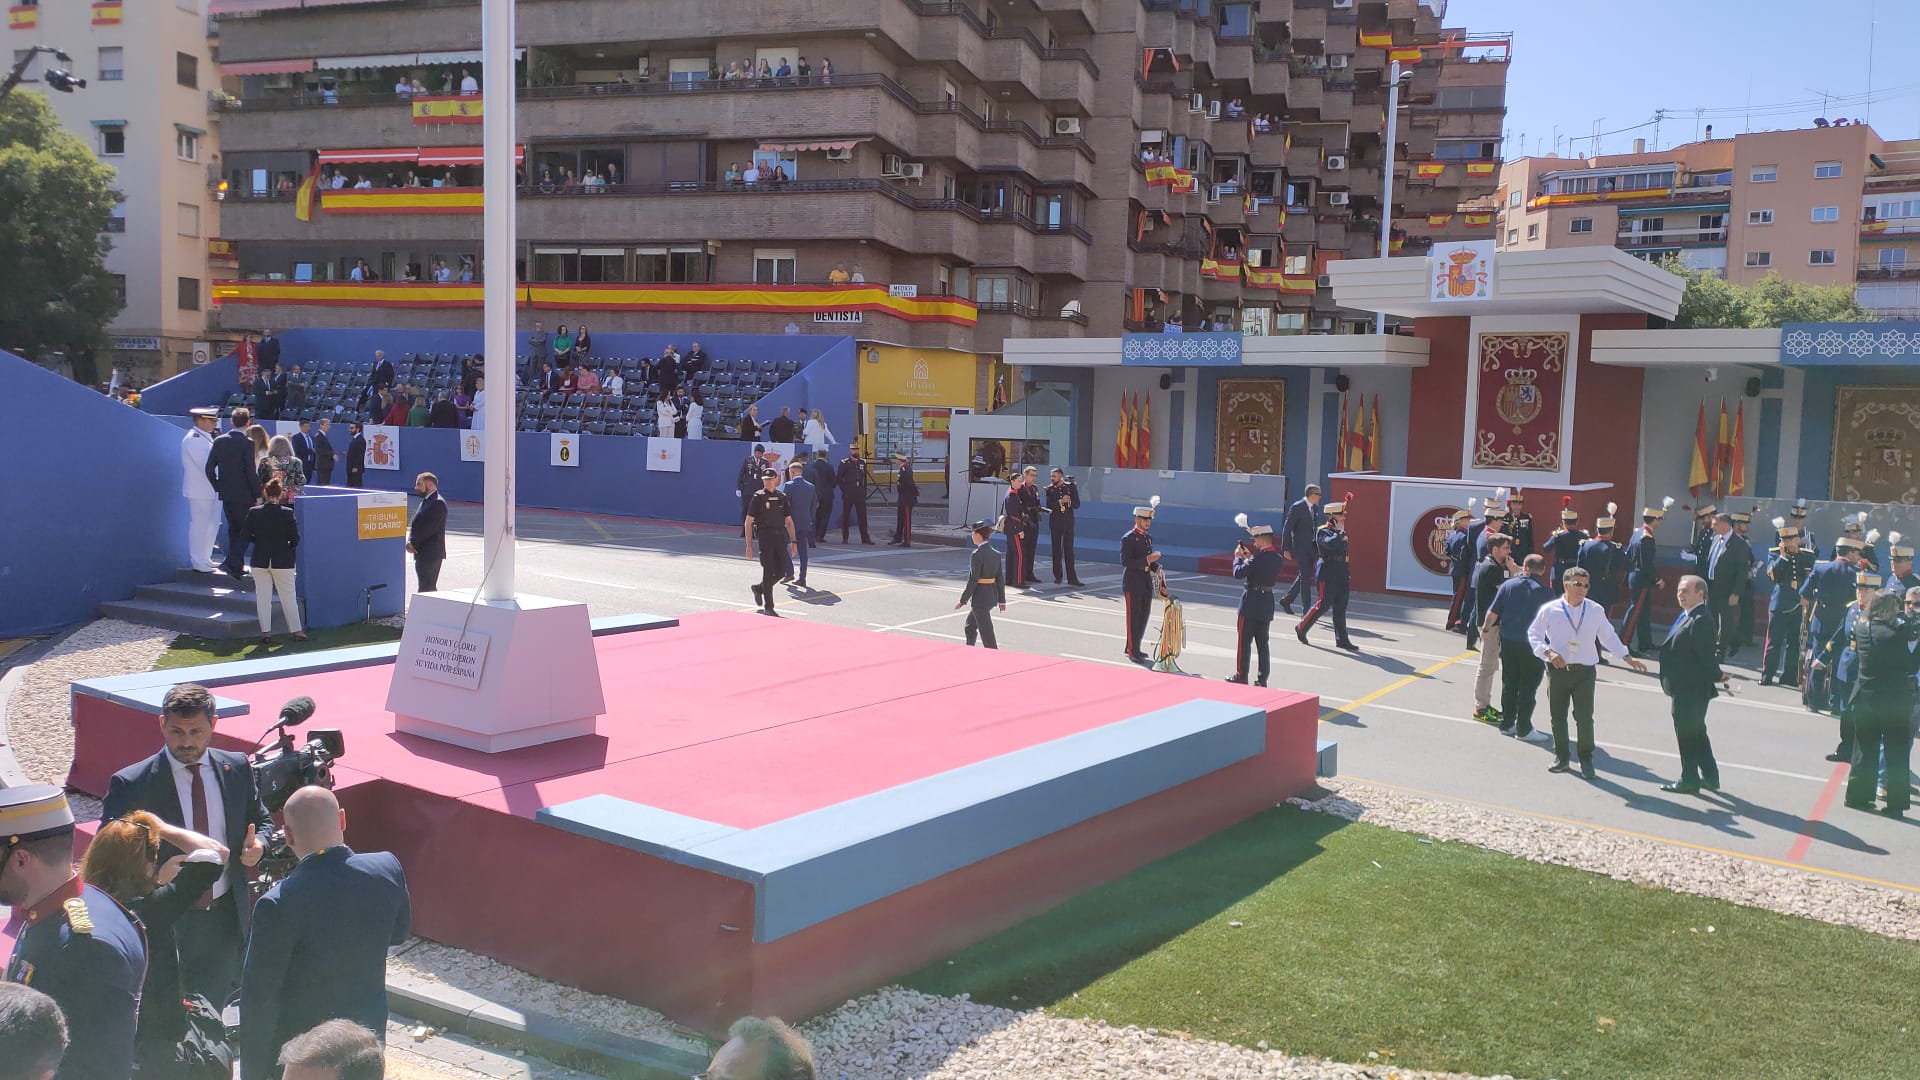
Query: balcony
x,y
999,321
1887,272
1640,240
1875,230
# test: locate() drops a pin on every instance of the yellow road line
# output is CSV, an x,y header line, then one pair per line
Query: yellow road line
x,y
1637,835
597,527
1427,673
867,588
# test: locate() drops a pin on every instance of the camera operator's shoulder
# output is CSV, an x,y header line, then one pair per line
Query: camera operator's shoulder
x,y
383,863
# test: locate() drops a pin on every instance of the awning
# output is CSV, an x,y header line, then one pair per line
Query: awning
x,y
462,155
109,123
189,129
797,147
469,56
344,157
266,67
381,60
440,155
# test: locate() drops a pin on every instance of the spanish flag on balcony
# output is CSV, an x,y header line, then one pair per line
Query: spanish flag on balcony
x,y
461,200
1479,219
1184,182
1303,284
1261,277
307,197
458,109
1395,243
1161,174
23,17
1249,204
1407,55
1439,221
1481,168
1377,39
1220,269
1427,170
1874,227
106,13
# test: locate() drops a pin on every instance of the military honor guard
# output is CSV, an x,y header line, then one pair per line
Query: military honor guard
x,y
1137,561
1603,560
1495,524
1827,590
1491,508
1841,657
72,941
1900,575
1563,547
1335,577
1696,552
1303,520
851,478
1787,568
203,502
1643,577
1519,522
770,523
1257,565
1882,707
986,587
1031,511
1460,564
1013,517
1798,513
1743,637
1851,528
1063,498
906,495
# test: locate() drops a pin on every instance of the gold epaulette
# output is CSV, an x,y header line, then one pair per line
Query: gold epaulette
x,y
78,916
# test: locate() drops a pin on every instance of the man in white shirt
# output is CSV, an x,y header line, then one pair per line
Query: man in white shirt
x,y
403,88
1568,634
203,503
614,384
468,84
752,175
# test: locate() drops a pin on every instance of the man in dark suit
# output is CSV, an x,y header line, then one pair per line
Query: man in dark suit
x,y
1729,564
266,353
323,453
320,937
803,500
906,492
356,456
211,792
1689,673
1303,520
231,471
302,441
427,534
852,481
820,472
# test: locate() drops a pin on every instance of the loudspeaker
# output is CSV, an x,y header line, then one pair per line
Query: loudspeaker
x,y
1342,383
1166,382
1753,386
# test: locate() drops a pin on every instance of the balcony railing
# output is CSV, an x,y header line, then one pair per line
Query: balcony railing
x,y
1894,227
1026,312
1888,271
972,18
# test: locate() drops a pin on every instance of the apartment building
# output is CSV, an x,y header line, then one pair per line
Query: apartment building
x,y
146,112
1073,167
1827,205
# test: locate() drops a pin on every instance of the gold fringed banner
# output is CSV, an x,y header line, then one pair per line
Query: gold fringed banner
x,y
779,299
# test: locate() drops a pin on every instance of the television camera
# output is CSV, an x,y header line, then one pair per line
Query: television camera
x,y
280,767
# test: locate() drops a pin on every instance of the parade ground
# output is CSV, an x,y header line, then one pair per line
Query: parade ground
x,y
1399,709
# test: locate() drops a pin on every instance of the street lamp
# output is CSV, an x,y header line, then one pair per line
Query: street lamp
x,y
60,79
1394,77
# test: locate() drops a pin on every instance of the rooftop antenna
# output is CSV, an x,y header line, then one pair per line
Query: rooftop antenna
x,y
1657,115
1873,25
1596,136
1698,112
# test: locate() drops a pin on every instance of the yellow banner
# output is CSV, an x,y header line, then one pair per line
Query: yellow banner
x,y
1292,284
23,18
401,201
1439,221
1427,170
1481,168
1574,198
781,299
460,109
382,522
1376,39
106,13
1263,278
1479,219
1407,55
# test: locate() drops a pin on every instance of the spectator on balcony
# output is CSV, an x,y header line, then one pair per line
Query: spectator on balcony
x,y
468,84
466,270
733,71
780,176
838,275
442,273
766,73
752,175
402,88
444,414
563,346
338,181
806,71
594,184
732,174
446,82
826,71
410,275
419,88
1236,109
329,94
613,174
784,71
361,183
359,271
859,276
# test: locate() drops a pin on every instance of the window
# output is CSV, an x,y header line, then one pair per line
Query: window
x,y
1296,265
1289,322
1826,170
1712,227
1826,213
112,67
113,141
1764,174
603,264
556,264
1471,97
1759,258
1820,257
774,266
119,287
187,145
1580,225
1893,258
676,263
1513,199
189,298
189,220
1533,232
118,222
1759,217
1513,236
1000,288
186,70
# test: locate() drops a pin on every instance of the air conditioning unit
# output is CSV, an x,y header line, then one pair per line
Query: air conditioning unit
x,y
1337,198
1343,5
844,153
1336,163
1213,110
1338,61
1324,281
1213,195
913,170
1067,125
890,165
1198,103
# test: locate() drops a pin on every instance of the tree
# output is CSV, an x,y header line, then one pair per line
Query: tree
x,y
1713,302
55,292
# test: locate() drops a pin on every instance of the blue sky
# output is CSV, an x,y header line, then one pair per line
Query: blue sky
x,y
1581,62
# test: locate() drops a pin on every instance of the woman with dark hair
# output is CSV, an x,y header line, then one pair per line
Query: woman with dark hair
x,y
274,535
1882,705
563,346
582,344
125,862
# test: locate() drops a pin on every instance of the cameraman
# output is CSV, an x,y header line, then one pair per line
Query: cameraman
x,y
320,936
192,786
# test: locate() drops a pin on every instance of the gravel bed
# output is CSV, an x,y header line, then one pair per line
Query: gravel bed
x,y
39,721
1626,858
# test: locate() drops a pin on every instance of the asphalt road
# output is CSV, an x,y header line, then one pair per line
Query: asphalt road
x,y
1399,709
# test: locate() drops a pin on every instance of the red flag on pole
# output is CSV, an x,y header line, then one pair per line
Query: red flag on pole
x,y
1700,474
1122,438
1143,437
1737,454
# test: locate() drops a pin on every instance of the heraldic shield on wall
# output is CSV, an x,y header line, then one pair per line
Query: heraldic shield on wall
x,y
1522,391
1876,431
1252,426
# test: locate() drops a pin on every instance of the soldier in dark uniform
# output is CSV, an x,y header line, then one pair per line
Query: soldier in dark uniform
x,y
770,521
1839,655
1787,569
1519,522
1137,560
1798,512
1477,528
1827,590
1850,529
852,479
1013,516
1564,545
1900,575
1696,554
985,587
1303,519
906,492
1882,707
1743,635
1460,565
1643,577
1063,498
1870,552
1603,560
1032,510
1494,525
72,942
1257,565
1334,577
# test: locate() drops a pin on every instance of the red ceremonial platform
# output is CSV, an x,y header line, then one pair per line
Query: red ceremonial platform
x,y
775,815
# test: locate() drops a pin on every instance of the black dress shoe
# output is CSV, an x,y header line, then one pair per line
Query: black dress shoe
x,y
1075,583
1286,606
1261,681
1851,805
1836,756
757,599
1560,767
1347,645
1302,635
1766,680
1888,811
1681,788
1139,658
1710,785
1586,769
1241,679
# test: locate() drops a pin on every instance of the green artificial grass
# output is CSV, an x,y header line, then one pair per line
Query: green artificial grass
x,y
1342,941
189,651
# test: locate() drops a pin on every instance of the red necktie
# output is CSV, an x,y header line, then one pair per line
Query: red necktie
x,y
200,821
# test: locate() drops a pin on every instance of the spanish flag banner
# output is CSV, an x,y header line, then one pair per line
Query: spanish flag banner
x,y
459,200
459,109
1427,170
1479,219
1481,168
1377,39
1302,285
1161,174
1249,204
1185,182
1874,227
106,13
23,17
1439,221
1407,55
781,299
1573,198
1700,472
1210,267
1220,269
1737,453
1394,244
307,197
1123,438
1261,277
1143,436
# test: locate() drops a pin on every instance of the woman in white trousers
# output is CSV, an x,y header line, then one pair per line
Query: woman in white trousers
x,y
274,535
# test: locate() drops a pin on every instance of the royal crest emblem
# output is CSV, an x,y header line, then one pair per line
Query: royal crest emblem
x,y
1518,402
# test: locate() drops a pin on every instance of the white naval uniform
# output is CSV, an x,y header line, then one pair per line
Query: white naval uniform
x,y
203,503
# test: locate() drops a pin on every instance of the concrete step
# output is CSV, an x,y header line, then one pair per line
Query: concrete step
x,y
186,617
194,577
225,595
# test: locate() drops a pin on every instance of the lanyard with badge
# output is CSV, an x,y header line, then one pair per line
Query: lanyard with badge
x,y
1573,645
